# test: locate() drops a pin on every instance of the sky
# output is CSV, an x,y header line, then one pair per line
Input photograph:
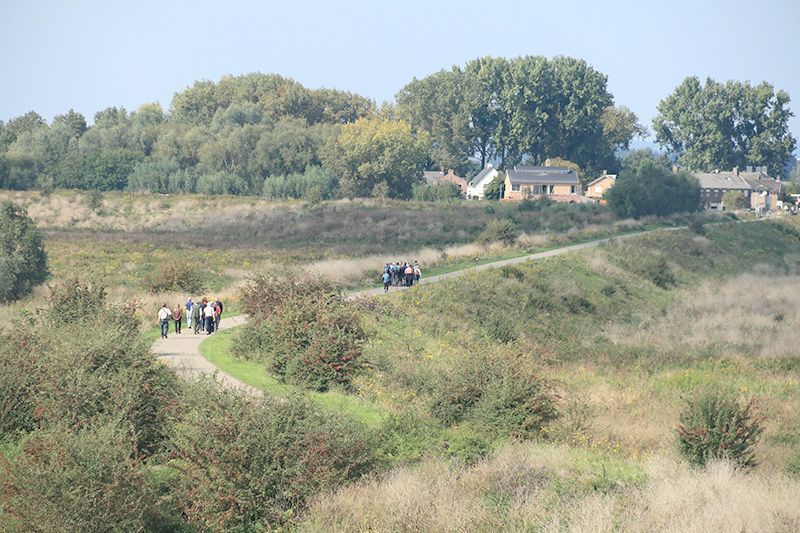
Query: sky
x,y
88,55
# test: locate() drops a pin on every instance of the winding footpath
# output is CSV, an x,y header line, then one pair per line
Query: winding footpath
x,y
182,352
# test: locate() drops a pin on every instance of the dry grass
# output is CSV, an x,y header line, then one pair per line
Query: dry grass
x,y
754,314
519,488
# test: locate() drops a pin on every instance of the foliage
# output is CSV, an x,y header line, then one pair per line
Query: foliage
x,y
89,479
501,394
733,200
649,189
369,152
716,425
433,192
59,374
500,230
175,276
306,332
513,109
23,259
314,181
252,464
494,190
714,125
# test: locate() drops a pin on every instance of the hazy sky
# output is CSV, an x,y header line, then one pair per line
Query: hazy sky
x,y
88,55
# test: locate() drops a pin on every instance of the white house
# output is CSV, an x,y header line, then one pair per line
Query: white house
x,y
478,183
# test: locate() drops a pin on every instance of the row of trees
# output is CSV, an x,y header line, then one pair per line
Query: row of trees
x,y
265,134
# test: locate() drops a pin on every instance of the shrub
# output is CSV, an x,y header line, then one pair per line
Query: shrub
x,y
313,185
252,464
716,425
512,272
697,225
433,192
657,270
303,329
494,190
61,370
23,260
176,276
502,230
94,200
84,480
651,189
500,393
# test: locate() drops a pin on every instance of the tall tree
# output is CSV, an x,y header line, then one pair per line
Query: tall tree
x,y
372,155
715,125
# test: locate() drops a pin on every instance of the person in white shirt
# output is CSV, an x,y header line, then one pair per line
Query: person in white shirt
x,y
164,315
209,315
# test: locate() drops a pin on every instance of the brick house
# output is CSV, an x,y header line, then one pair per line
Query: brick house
x,y
435,176
760,192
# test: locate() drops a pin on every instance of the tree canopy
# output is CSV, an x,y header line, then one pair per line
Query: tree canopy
x,y
722,125
22,255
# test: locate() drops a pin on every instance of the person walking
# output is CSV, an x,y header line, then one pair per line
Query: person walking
x,y
177,316
188,306
217,314
208,314
417,272
163,317
409,272
387,280
197,317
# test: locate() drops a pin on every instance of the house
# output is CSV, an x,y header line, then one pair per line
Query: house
x,y
759,190
597,188
432,177
557,183
477,185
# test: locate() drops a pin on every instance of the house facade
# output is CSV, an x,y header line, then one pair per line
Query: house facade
x,y
477,185
760,192
597,188
557,183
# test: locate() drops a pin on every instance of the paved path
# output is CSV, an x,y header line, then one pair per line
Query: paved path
x,y
182,352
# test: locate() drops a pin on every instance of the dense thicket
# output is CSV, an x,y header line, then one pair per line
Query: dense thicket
x,y
651,189
23,260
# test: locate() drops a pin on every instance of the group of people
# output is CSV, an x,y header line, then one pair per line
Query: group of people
x,y
400,274
203,316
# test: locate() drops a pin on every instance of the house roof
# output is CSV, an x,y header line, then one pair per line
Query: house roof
x,y
754,181
542,175
610,176
480,175
432,176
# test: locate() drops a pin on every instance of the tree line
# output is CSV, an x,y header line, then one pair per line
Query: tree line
x,y
264,134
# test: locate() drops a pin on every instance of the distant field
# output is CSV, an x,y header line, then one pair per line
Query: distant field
x,y
120,240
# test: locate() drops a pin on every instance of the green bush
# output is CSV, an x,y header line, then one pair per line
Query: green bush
x,y
253,464
657,270
651,189
88,479
62,370
315,184
498,392
178,276
23,260
303,330
502,230
433,192
715,425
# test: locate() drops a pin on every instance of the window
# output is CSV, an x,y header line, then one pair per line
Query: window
x,y
515,187
572,190
552,189
597,188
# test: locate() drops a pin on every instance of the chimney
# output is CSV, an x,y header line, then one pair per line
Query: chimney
x,y
489,165
735,171
674,169
749,168
449,171
605,172
547,162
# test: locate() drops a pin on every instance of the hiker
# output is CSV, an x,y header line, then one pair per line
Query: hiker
x,y
417,272
208,314
217,313
177,316
409,272
387,280
197,316
163,317
188,306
